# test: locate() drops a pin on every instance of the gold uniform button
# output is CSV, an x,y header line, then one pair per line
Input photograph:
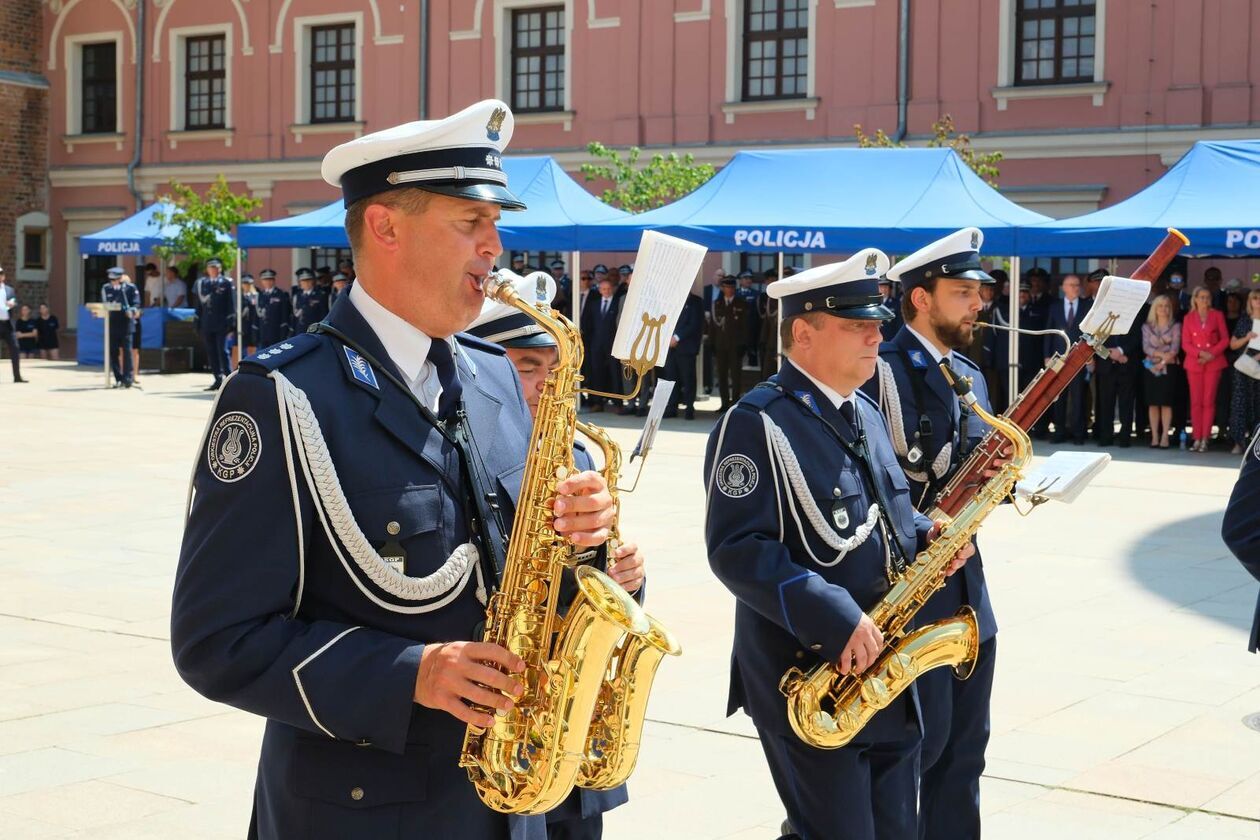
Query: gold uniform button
x,y
393,528
800,654
356,793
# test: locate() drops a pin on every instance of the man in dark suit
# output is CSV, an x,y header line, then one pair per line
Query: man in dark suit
x,y
1116,384
1066,315
680,364
599,328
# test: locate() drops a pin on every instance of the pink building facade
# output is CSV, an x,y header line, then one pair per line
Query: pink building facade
x,y
1089,102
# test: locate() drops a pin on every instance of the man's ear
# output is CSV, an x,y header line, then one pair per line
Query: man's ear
x,y
379,226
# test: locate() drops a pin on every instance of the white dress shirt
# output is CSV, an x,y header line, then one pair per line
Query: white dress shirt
x,y
408,348
6,299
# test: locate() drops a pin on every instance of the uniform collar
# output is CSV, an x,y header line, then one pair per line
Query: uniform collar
x,y
406,346
937,355
835,397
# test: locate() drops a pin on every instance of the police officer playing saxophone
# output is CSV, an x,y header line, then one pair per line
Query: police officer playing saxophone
x,y
122,324
1241,527
378,452
216,312
931,435
275,310
809,519
533,353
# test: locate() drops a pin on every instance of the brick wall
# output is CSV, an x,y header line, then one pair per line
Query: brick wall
x,y
23,132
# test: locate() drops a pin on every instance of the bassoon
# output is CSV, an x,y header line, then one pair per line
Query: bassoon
x,y
1041,393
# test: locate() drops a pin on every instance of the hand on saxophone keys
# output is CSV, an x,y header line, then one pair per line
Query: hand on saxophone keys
x,y
454,674
996,463
627,567
863,647
584,509
960,559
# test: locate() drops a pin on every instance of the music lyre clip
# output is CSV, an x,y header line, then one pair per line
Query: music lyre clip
x,y
644,353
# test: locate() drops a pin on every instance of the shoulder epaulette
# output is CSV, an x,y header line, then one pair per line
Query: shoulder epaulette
x,y
277,355
888,347
760,397
966,362
478,344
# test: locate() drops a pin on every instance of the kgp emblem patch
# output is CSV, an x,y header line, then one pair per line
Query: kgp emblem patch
x,y
234,447
736,476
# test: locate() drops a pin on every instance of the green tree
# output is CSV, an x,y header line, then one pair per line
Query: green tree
x,y
201,220
663,179
944,136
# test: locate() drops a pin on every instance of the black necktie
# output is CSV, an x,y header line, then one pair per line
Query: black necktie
x,y
849,415
448,378
1071,312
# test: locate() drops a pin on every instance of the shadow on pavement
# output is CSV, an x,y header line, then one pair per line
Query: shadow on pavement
x,y
1233,602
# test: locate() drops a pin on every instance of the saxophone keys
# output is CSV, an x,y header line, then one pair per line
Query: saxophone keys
x,y
875,692
899,665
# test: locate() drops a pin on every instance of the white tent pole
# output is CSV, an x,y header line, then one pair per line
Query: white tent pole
x,y
240,347
1013,337
778,332
575,286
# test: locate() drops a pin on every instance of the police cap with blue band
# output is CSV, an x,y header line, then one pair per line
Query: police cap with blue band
x,y
848,289
506,325
459,156
954,257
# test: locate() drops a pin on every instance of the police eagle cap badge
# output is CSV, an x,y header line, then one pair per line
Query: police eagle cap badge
x,y
872,261
495,124
975,239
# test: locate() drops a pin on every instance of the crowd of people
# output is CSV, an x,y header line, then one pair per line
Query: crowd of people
x,y
1174,380
23,336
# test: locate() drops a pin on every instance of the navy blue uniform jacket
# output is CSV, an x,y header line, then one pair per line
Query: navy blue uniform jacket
x,y
1241,527
791,610
273,615
904,357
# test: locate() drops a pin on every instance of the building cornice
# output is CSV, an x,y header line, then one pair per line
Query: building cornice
x,y
1168,143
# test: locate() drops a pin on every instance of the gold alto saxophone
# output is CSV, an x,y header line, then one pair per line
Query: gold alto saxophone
x,y
529,759
826,708
612,744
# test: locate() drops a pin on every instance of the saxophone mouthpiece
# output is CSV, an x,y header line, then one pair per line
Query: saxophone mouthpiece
x,y
960,384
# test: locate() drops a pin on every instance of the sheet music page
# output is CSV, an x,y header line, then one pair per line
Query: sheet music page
x,y
663,272
1120,295
660,402
1063,475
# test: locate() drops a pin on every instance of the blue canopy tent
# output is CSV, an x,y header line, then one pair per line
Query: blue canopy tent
x,y
557,204
828,201
135,235
1209,195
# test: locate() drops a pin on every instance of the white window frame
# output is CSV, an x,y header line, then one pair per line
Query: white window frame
x,y
302,27
179,65
503,60
74,81
734,104
32,221
1007,90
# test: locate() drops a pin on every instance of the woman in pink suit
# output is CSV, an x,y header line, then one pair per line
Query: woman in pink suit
x,y
1204,337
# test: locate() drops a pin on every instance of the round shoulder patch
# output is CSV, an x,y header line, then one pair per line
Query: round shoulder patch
x,y
234,447
736,476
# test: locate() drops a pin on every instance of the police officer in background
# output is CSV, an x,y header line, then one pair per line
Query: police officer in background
x,y
892,303
309,305
248,333
339,285
768,315
122,324
342,618
216,318
275,310
533,353
931,435
727,319
1240,528
680,363
802,588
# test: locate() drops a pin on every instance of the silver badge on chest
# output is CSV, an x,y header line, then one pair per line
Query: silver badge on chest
x,y
839,513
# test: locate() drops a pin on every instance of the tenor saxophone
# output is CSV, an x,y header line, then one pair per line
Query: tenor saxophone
x,y
528,761
828,709
612,743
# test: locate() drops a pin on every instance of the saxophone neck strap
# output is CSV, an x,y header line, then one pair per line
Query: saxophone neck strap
x,y
485,512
